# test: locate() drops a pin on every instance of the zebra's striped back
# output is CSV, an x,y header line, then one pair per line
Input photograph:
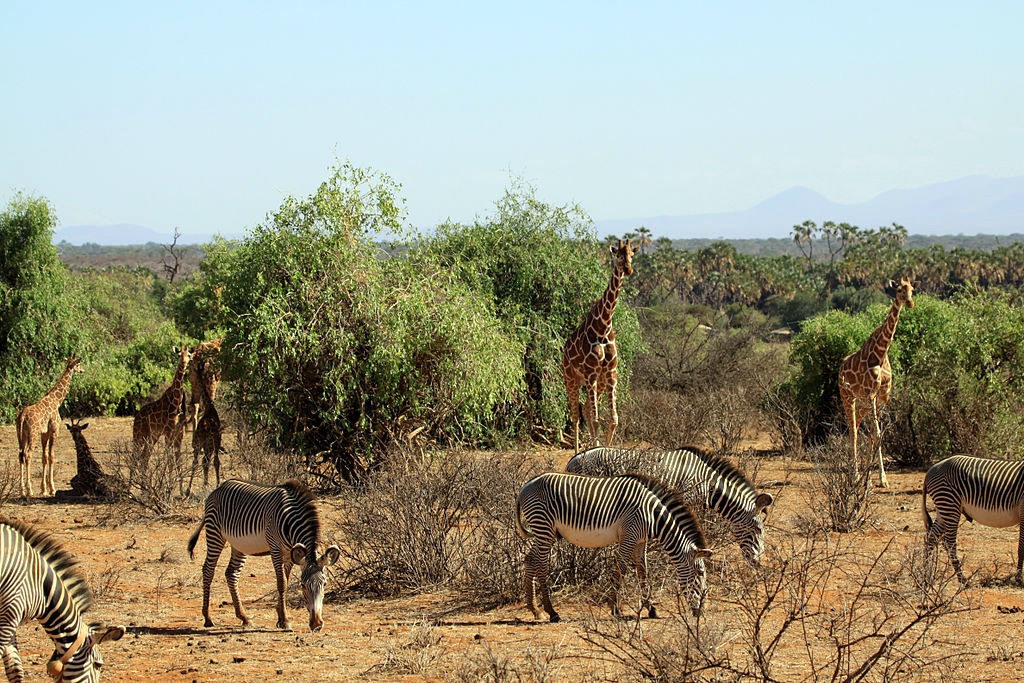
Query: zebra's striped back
x,y
40,580
985,489
595,512
711,478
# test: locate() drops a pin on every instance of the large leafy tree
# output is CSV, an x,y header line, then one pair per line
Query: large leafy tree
x,y
39,319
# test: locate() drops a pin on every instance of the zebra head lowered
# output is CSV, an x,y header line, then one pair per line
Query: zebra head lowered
x,y
82,660
313,580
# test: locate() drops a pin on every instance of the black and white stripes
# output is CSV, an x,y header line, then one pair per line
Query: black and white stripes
x,y
40,580
708,477
594,512
990,492
254,519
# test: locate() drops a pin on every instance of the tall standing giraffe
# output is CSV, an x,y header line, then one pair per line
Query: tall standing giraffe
x,y
865,376
163,417
590,357
42,418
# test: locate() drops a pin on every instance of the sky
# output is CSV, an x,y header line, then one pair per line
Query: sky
x,y
206,115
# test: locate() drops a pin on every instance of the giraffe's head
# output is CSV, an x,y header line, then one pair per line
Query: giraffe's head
x,y
903,291
623,255
76,427
185,355
74,364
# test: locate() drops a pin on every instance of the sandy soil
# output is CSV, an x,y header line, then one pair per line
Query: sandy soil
x,y
140,570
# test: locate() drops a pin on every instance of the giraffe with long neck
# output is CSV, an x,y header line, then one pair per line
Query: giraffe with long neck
x,y
163,417
865,377
42,418
590,357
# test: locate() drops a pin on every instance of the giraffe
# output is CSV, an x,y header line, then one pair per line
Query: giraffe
x,y
90,480
207,435
163,417
866,376
590,357
42,418
202,368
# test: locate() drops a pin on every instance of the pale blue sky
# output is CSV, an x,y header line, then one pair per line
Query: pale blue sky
x,y
205,115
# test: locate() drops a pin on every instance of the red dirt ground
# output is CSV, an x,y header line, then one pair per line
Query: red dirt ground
x,y
143,579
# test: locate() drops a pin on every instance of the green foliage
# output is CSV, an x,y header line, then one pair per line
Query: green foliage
x,y
543,268
339,352
956,375
40,324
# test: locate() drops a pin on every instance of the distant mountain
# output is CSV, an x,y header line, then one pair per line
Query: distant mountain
x,y
971,205
121,234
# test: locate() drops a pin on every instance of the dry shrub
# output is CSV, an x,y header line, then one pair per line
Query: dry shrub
x,y
9,485
258,461
664,418
423,521
485,663
420,654
839,500
155,483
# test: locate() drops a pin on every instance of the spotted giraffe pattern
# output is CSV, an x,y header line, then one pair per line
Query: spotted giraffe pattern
x,y
590,358
865,378
163,417
42,418
206,437
90,479
202,372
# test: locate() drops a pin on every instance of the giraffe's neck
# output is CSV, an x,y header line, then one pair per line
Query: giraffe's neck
x,y
173,394
881,338
55,396
604,308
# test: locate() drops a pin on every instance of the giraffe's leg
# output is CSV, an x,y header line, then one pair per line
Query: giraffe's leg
x,y
25,459
281,572
536,564
47,442
591,409
214,546
231,574
610,386
216,465
850,407
877,443
572,388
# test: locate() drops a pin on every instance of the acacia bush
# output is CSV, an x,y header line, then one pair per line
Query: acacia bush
x,y
956,375
542,267
339,353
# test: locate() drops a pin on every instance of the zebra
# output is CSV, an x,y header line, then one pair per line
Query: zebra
x,y
41,580
254,519
987,491
709,477
595,512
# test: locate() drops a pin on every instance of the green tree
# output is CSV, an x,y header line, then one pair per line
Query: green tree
x,y
40,322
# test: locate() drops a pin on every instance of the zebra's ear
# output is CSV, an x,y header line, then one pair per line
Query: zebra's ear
x,y
298,554
762,501
110,633
330,556
703,553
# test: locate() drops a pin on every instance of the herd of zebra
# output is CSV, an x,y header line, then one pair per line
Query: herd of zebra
x,y
606,496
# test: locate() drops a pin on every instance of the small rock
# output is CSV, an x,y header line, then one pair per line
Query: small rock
x,y
478,637
213,661
78,521
239,660
280,671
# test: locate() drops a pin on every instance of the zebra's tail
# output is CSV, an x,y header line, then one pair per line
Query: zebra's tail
x,y
924,509
519,519
195,538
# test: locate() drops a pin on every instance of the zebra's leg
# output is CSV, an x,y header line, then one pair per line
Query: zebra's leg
x,y
640,562
214,546
1020,546
948,527
537,569
12,659
282,572
231,574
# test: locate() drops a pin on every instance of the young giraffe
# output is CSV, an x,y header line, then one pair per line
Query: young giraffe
x,y
866,376
90,479
162,417
207,435
42,418
590,358
202,369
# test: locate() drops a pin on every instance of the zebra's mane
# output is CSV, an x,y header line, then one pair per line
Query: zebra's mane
x,y
721,465
63,563
304,500
675,502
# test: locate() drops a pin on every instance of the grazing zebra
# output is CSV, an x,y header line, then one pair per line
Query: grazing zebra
x,y
711,478
990,492
253,519
40,580
595,512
